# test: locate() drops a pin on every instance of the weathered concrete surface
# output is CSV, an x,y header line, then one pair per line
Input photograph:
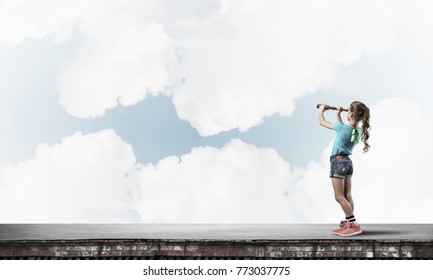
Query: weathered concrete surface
x,y
265,241
209,231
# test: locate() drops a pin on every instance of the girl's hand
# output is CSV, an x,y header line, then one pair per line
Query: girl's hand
x,y
339,109
322,108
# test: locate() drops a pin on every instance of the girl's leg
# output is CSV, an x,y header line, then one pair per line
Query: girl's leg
x,y
338,185
348,192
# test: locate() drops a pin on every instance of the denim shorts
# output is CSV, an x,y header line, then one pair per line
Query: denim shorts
x,y
341,168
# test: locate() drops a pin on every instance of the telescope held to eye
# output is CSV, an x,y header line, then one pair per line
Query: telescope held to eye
x,y
327,107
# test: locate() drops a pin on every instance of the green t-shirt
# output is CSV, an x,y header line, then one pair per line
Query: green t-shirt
x,y
347,137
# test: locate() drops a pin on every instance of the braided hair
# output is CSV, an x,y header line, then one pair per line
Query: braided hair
x,y
362,113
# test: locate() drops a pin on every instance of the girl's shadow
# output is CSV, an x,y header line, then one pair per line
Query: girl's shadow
x,y
391,233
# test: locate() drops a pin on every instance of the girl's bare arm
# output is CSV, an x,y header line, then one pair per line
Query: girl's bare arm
x,y
322,120
339,119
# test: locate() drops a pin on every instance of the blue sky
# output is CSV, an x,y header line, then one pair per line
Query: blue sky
x,y
199,113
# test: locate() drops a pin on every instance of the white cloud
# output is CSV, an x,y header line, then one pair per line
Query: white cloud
x,y
122,66
239,183
94,178
254,59
123,55
86,178
227,64
36,19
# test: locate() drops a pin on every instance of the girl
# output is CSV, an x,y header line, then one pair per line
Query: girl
x,y
341,165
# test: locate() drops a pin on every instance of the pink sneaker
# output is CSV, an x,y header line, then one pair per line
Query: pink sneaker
x,y
337,231
350,229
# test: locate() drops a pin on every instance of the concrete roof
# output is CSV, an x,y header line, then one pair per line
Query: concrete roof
x,y
210,231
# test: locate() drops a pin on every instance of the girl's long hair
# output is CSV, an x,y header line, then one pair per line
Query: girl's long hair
x,y
362,113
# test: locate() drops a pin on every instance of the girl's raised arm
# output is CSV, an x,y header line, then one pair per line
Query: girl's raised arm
x,y
322,120
339,110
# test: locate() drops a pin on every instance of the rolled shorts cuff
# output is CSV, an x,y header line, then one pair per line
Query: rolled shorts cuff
x,y
340,176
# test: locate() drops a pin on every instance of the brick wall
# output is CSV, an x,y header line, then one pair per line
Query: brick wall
x,y
217,249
